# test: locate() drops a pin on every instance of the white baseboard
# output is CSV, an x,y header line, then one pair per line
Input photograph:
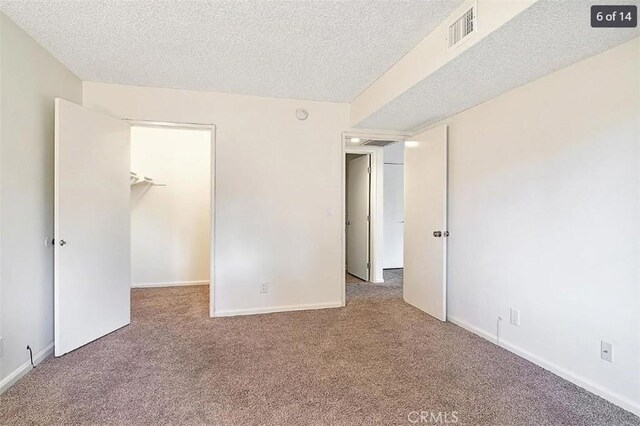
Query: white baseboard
x,y
169,284
475,330
613,397
272,309
19,372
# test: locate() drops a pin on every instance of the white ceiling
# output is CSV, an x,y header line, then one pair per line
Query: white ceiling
x,y
329,50
547,36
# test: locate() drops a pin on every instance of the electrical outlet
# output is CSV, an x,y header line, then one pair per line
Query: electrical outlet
x,y
514,316
606,351
264,288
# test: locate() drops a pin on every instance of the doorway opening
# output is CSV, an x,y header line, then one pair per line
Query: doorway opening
x,y
365,205
407,228
172,206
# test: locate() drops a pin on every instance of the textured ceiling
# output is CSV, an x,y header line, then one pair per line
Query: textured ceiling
x,y
547,36
328,50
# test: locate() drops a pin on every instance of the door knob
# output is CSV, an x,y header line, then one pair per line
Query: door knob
x,y
62,242
437,234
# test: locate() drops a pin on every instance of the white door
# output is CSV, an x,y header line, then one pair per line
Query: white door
x,y
92,239
425,217
358,217
393,215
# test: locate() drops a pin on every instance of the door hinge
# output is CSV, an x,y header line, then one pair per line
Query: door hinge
x,y
368,218
369,169
368,265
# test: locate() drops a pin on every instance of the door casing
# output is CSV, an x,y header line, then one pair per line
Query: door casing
x,y
376,236
212,129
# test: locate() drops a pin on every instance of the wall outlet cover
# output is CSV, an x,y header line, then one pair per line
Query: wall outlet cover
x,y
264,288
514,316
606,351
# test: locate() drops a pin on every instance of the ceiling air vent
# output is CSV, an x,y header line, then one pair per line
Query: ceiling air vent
x,y
378,142
463,26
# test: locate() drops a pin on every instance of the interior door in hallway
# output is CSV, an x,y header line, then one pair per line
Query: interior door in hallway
x,y
91,215
393,215
425,235
358,193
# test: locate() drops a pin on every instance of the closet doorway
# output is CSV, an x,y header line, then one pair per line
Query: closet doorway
x,y
93,205
171,205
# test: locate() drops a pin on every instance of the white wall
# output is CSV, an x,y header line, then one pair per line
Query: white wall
x,y
393,205
31,78
394,153
544,215
278,191
170,225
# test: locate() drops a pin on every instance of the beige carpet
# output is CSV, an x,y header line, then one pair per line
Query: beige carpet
x,y
352,279
377,361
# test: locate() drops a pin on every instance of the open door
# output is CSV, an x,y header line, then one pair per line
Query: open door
x,y
358,217
425,227
92,219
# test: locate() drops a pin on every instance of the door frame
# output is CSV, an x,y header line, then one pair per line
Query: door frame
x,y
376,199
212,129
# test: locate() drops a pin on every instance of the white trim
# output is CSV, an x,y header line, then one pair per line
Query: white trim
x,y
613,397
376,198
375,134
19,372
169,284
273,309
168,124
212,237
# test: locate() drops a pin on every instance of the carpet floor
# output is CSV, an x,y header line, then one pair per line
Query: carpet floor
x,y
376,361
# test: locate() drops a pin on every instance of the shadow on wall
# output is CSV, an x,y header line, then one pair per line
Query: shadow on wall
x,y
137,194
